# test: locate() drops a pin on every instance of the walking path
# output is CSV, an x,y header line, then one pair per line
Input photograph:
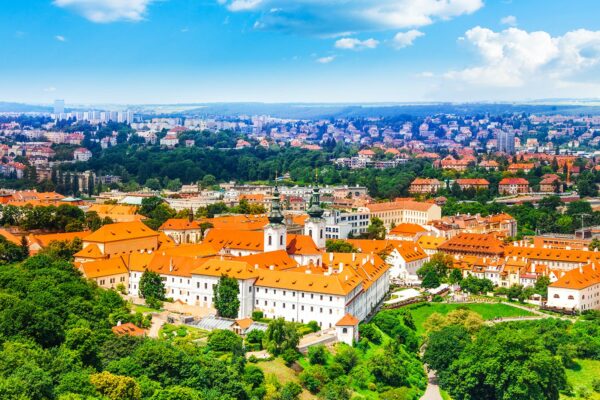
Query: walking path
x,y
158,320
433,390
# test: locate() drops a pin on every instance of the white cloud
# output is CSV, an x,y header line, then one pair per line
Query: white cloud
x,y
356,44
509,20
60,38
334,16
50,89
425,74
325,60
405,39
243,5
514,57
103,11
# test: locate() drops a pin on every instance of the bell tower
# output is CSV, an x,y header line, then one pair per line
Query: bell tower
x,y
275,233
315,224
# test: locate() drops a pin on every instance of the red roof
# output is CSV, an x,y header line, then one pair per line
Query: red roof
x,y
348,320
514,181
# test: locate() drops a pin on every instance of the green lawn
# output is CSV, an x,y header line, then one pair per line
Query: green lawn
x,y
581,378
486,310
143,309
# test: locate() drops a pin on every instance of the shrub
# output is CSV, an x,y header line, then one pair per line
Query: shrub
x,y
314,326
317,355
369,332
290,356
257,315
314,378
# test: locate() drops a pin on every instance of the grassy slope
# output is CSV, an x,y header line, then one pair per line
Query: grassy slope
x,y
582,376
486,310
283,374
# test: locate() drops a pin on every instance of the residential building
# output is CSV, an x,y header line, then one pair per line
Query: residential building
x,y
506,142
513,186
577,289
424,186
398,212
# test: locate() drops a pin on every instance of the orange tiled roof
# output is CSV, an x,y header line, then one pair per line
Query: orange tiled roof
x,y
430,242
400,205
45,240
254,241
579,278
306,280
472,181
102,268
91,251
279,260
10,237
537,253
121,231
513,181
232,268
474,243
179,224
348,320
128,329
368,266
407,228
425,181
238,222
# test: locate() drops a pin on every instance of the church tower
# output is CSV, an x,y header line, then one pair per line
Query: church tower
x,y
315,224
275,233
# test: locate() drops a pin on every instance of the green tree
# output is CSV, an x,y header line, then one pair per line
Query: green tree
x,y
376,230
116,387
225,340
280,336
226,298
339,246
152,286
317,354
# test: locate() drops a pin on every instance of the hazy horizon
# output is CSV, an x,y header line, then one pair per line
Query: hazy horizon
x,y
273,51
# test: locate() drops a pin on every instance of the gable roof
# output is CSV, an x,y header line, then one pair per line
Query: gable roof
x,y
102,268
348,320
485,243
179,224
579,278
121,231
128,329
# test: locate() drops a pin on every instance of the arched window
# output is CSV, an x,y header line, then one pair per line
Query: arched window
x,y
281,240
344,330
270,240
556,296
321,235
571,297
310,232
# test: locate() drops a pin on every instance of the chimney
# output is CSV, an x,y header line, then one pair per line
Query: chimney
x,y
330,257
255,266
272,267
171,264
580,269
353,256
341,268
307,271
329,270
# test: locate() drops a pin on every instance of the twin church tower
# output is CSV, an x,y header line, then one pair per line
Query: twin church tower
x,y
276,232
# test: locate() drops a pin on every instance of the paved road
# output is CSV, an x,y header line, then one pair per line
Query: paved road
x,y
158,320
433,390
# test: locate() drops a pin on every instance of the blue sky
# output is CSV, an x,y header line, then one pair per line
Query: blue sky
x,y
177,51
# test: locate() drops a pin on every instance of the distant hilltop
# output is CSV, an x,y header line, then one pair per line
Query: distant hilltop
x,y
338,110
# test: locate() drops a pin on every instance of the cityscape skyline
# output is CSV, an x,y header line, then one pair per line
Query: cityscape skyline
x,y
184,51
